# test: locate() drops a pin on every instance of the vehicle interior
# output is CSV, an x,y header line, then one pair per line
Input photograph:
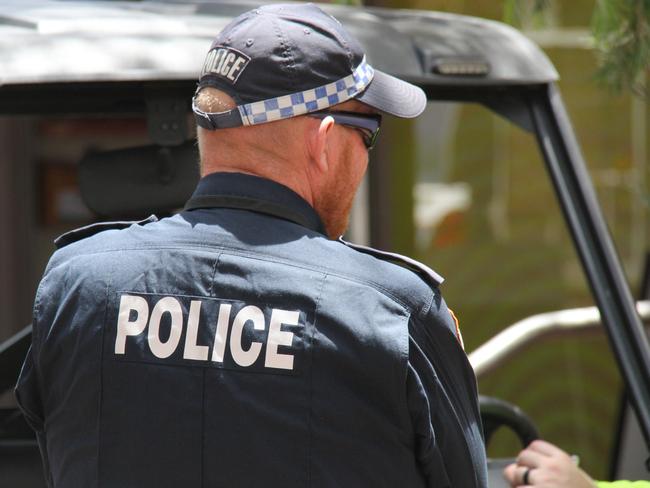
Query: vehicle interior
x,y
489,187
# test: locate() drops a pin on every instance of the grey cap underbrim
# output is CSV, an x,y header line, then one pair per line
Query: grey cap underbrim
x,y
394,96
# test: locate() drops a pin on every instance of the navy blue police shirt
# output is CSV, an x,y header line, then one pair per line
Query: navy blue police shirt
x,y
235,345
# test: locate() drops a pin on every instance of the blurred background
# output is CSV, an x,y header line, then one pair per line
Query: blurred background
x,y
483,213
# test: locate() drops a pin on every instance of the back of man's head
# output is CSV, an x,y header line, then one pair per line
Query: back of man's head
x,y
271,66
245,148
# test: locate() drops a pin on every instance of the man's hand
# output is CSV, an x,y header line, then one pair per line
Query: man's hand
x,y
544,465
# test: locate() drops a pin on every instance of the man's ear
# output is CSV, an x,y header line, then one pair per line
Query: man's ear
x,y
318,143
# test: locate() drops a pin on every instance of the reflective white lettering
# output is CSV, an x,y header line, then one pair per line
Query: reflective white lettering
x,y
209,62
221,333
253,314
206,331
230,57
279,337
125,327
218,60
171,306
234,71
192,349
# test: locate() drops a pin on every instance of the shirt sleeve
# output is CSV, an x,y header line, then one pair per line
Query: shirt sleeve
x,y
442,398
623,484
27,389
28,392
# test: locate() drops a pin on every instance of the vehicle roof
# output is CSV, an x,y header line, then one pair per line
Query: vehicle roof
x,y
82,41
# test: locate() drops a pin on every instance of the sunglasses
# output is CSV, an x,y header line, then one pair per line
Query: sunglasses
x,y
367,124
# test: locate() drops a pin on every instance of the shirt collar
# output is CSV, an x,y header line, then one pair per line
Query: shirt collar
x,y
248,192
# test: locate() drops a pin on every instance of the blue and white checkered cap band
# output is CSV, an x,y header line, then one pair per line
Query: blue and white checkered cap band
x,y
291,105
307,101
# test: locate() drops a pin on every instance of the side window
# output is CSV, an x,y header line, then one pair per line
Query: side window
x,y
485,216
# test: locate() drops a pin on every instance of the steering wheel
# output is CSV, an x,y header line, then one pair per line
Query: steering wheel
x,y
496,413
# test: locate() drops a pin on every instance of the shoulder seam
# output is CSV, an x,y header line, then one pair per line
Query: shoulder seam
x,y
225,250
428,275
95,228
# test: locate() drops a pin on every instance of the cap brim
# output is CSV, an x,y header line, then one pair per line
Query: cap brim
x,y
394,96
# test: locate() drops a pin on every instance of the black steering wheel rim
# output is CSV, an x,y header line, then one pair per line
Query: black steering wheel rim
x,y
496,413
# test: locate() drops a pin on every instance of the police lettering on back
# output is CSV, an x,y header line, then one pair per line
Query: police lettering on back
x,y
225,62
212,336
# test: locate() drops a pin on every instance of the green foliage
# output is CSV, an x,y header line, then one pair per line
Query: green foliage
x,y
622,38
621,31
526,13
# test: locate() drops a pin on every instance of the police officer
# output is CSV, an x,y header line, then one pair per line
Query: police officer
x,y
239,343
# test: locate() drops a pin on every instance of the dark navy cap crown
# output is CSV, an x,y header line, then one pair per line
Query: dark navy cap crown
x,y
292,48
284,60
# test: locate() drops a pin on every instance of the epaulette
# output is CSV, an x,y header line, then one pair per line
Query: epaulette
x,y
92,229
427,274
